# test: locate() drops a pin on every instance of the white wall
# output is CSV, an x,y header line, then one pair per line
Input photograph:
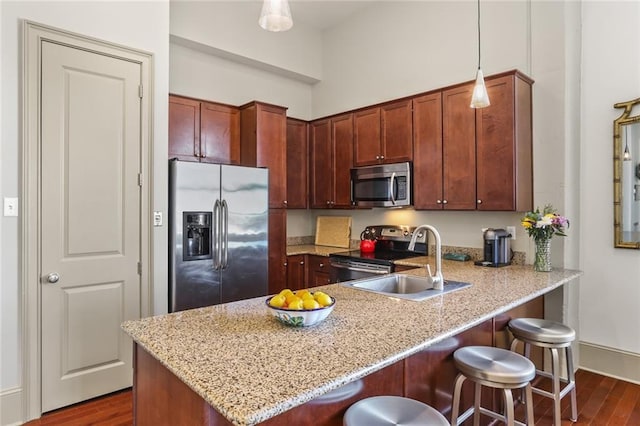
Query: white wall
x,y
142,25
610,290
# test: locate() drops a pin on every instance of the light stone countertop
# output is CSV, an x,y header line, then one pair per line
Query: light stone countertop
x,y
313,250
249,367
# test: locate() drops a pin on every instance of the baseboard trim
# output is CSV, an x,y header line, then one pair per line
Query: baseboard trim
x,y
610,362
11,407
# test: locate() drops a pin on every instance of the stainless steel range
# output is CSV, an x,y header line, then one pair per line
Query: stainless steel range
x,y
391,242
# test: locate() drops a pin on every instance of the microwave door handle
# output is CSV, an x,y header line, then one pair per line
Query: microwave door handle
x,y
392,187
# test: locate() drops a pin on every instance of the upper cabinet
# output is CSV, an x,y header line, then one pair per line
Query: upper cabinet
x,y
331,159
458,149
203,131
297,164
263,143
383,134
476,159
504,146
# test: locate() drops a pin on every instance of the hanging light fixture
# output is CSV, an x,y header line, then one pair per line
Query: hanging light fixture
x,y
275,15
480,97
626,156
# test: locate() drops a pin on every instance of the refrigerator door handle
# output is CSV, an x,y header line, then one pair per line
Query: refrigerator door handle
x,y
216,235
225,235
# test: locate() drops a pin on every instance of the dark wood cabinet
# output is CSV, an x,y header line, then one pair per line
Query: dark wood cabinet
x,y
297,164
263,143
383,134
318,270
477,159
203,131
296,272
427,149
277,250
331,153
504,146
458,149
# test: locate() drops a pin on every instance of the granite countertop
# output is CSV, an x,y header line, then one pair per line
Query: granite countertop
x,y
250,368
312,249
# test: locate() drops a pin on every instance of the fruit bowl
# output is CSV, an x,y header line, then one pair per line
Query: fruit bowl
x,y
301,317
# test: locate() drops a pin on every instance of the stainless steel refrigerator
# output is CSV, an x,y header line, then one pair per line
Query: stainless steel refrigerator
x,y
218,225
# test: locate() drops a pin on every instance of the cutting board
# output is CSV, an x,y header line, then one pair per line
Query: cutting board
x,y
333,231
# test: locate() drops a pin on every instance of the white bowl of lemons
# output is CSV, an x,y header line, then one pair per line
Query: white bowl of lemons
x,y
302,308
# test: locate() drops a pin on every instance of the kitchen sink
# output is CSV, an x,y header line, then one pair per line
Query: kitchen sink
x,y
404,286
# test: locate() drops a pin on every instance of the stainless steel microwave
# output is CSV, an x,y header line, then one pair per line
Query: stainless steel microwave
x,y
385,185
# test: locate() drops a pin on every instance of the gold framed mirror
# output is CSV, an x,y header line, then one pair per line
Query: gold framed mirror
x,y
626,177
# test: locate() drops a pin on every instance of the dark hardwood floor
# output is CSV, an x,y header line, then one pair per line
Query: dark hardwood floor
x,y
601,401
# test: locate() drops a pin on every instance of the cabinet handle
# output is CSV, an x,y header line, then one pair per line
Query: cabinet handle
x,y
285,202
438,201
382,157
285,264
302,262
203,149
479,201
321,265
328,202
444,201
377,157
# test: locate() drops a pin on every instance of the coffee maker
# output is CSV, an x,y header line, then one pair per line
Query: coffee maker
x,y
497,248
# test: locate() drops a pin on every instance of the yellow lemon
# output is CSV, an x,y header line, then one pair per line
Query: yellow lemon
x,y
277,301
286,292
323,298
291,297
307,296
296,304
310,304
301,293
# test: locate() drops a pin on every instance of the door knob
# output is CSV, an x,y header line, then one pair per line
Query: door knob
x,y
53,278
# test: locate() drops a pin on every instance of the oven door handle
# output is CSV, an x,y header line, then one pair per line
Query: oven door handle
x,y
356,269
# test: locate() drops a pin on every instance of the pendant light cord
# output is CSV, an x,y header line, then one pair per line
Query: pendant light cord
x,y
478,34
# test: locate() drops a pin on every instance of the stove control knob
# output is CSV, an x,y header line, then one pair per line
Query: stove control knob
x,y
405,233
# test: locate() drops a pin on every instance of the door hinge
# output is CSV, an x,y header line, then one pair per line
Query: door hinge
x,y
139,179
139,268
140,91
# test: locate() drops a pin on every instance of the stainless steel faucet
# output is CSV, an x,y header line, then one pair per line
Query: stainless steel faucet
x,y
437,280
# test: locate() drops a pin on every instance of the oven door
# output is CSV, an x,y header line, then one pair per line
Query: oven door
x,y
348,269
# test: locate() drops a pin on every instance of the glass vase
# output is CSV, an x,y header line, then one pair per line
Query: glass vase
x,y
542,261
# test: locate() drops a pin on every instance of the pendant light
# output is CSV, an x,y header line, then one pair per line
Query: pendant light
x,y
275,15
480,97
626,156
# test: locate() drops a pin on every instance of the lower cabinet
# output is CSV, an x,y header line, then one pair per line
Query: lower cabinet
x,y
296,272
306,270
318,270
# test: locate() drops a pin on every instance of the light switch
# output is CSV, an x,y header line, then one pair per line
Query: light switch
x,y
10,206
157,218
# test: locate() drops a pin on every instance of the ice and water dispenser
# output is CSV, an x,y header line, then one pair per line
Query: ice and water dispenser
x,y
196,235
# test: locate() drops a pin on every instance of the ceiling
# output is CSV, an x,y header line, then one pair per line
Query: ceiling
x,y
325,14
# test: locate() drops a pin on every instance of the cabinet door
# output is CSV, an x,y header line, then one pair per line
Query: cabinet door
x,y
459,149
320,164
396,132
184,128
318,270
271,132
277,250
342,153
219,133
503,138
297,164
366,137
427,148
296,272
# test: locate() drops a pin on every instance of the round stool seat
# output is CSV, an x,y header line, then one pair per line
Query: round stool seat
x,y
494,365
540,330
392,410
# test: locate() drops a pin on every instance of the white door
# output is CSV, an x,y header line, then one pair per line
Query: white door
x,y
90,216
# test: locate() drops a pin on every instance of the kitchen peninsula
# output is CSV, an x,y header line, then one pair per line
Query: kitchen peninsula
x,y
234,364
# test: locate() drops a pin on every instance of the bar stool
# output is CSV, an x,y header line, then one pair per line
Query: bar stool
x,y
496,368
392,410
553,336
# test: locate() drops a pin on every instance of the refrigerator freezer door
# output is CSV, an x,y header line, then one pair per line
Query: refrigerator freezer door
x,y
193,191
245,200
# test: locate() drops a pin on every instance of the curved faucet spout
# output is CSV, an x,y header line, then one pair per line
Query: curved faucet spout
x,y
437,280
